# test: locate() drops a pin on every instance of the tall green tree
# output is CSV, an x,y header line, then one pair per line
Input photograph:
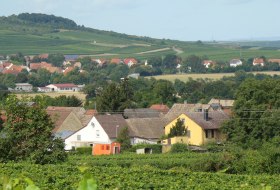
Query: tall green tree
x,y
56,59
124,139
255,114
178,129
27,134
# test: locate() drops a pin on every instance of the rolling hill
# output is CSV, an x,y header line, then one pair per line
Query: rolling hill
x,y
40,33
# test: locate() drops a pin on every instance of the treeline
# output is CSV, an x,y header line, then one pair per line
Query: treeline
x,y
53,21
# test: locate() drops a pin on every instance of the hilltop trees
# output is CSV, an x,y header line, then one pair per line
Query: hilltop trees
x,y
256,113
27,134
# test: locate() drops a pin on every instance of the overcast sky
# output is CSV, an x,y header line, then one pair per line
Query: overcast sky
x,y
188,20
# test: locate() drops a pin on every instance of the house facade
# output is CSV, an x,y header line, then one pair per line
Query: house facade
x,y
258,62
202,128
101,129
25,87
68,87
235,63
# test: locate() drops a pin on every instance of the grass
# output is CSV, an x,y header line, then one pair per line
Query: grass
x,y
211,76
79,95
33,40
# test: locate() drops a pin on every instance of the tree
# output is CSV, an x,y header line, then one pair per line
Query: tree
x,y
178,129
27,134
194,64
56,59
165,91
255,113
115,97
124,139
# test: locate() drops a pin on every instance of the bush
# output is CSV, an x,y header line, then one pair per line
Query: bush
x,y
179,147
84,150
157,148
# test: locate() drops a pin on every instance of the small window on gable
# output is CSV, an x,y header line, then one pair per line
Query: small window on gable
x,y
79,137
92,124
97,133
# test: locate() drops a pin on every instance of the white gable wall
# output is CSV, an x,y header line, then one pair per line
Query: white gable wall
x,y
92,134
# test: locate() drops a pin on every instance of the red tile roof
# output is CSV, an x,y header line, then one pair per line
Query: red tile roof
x,y
43,56
274,61
127,60
116,60
160,107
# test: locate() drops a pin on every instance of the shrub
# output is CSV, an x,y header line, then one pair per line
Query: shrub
x,y
179,147
84,150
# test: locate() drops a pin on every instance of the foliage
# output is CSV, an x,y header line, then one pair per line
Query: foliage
x,y
179,148
84,150
56,59
156,148
178,129
115,97
27,134
256,113
124,139
17,184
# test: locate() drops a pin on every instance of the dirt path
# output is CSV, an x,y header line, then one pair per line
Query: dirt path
x,y
153,51
179,51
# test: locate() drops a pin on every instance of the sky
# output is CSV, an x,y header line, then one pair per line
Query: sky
x,y
187,20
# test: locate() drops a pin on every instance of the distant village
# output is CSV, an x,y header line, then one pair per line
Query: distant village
x,y
71,62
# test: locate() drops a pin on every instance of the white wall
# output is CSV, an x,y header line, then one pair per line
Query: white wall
x,y
137,140
89,135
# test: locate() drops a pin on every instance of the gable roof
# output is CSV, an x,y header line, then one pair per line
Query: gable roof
x,y
160,107
66,85
127,60
178,109
110,122
60,114
148,128
223,103
116,60
216,118
274,61
141,113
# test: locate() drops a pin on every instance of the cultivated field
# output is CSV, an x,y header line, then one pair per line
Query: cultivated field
x,y
211,76
79,95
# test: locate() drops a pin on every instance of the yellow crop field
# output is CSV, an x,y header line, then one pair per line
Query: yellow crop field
x,y
79,95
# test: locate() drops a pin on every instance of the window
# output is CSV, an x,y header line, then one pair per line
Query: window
x,y
189,133
92,124
102,147
107,147
97,134
210,133
79,137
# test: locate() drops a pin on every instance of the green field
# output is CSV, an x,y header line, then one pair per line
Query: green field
x,y
34,39
211,76
137,172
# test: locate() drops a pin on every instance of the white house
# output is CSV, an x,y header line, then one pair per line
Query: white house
x,y
26,87
235,62
68,87
258,61
102,129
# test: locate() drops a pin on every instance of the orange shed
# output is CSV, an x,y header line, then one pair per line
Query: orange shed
x,y
106,149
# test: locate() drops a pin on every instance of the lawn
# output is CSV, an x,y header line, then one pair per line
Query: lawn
x,y
211,76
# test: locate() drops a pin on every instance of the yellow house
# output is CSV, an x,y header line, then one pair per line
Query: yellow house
x,y
202,127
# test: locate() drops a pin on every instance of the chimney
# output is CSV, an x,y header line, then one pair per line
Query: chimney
x,y
205,114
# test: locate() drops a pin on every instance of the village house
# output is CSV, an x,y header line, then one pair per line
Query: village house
x,y
258,62
116,61
67,87
101,129
141,113
202,128
274,61
24,87
145,130
162,108
208,63
235,63
130,61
